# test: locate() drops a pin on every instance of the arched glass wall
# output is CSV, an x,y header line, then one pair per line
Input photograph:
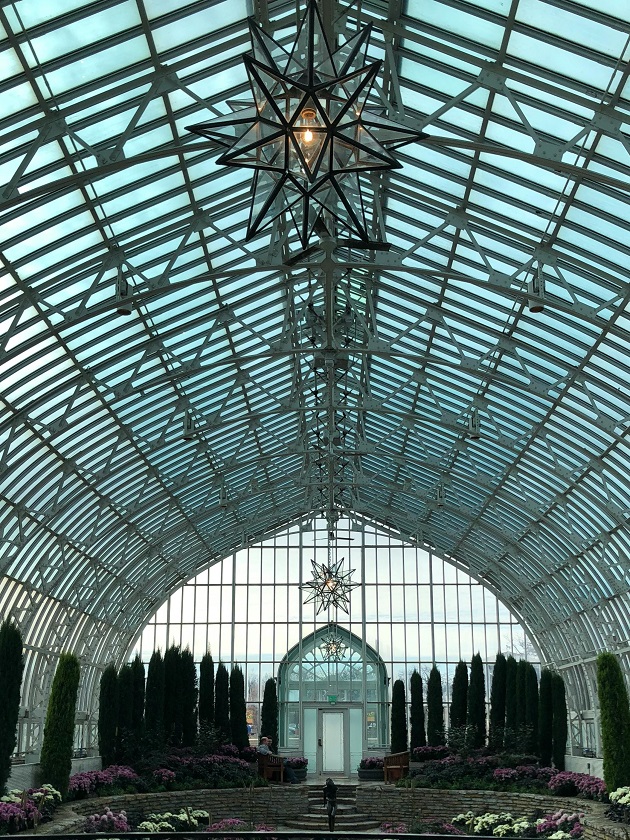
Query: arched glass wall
x,y
410,608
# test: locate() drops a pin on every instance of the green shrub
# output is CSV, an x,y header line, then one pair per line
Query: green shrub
x,y
222,705
173,705
459,696
560,728
497,704
206,691
238,709
615,721
399,736
416,712
138,690
545,718
510,738
11,668
477,703
56,755
189,694
531,708
154,699
108,715
269,713
435,709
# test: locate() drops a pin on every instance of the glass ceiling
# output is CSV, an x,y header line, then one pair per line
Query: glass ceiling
x,y
336,383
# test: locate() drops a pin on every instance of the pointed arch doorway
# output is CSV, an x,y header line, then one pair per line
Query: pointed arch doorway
x,y
332,700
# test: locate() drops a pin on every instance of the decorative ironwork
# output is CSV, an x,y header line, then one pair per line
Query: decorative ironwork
x,y
333,647
310,134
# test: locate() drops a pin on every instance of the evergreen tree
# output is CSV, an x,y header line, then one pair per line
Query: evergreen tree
x,y
531,708
615,721
497,704
137,715
477,703
108,716
222,704
560,727
459,696
435,709
238,709
521,693
173,711
206,691
56,756
154,698
189,692
416,712
545,719
269,713
399,736
11,669
126,743
510,703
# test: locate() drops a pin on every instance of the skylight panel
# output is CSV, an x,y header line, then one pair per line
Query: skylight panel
x,y
475,28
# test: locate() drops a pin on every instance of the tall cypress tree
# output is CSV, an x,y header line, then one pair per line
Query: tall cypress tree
x,y
154,698
545,718
416,712
459,696
521,693
126,747
108,715
531,708
222,704
510,703
138,688
615,721
560,727
435,709
238,709
497,704
206,691
188,674
56,756
477,703
11,669
173,711
269,713
399,736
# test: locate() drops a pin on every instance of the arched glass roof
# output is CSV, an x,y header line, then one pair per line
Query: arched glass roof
x,y
339,381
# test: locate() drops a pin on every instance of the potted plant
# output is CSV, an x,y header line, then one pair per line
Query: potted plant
x,y
371,769
299,765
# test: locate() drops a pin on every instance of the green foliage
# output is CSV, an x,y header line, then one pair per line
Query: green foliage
x,y
459,696
510,704
435,709
173,708
11,668
615,721
56,756
560,727
497,704
206,691
222,704
545,718
238,709
416,712
189,692
477,703
126,744
154,698
269,713
521,693
137,714
108,715
399,736
531,708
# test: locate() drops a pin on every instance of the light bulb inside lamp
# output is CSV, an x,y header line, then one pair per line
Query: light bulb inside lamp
x,y
308,119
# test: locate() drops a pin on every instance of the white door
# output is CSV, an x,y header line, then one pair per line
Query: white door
x,y
333,741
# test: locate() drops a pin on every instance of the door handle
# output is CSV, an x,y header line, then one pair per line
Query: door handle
x,y
319,742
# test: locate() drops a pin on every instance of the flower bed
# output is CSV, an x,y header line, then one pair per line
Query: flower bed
x,y
26,809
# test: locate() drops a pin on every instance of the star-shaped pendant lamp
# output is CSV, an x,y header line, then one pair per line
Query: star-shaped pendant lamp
x,y
330,586
333,647
310,133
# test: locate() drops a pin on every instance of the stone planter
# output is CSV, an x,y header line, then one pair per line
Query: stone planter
x,y
300,773
371,775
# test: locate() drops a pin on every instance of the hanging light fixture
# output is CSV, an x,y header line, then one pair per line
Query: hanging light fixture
x,y
333,647
310,133
330,586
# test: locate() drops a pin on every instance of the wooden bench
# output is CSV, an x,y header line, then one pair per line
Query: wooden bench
x,y
395,766
271,767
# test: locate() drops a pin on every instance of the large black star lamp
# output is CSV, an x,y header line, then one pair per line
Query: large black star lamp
x,y
330,587
310,134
